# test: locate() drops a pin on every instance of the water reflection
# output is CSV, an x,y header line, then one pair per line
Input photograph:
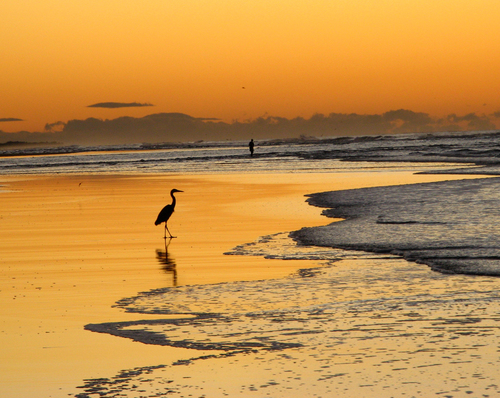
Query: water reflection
x,y
167,261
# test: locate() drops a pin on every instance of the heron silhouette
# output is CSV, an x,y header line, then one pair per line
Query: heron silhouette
x,y
166,212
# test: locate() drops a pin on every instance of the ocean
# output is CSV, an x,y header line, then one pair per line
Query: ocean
x,y
403,302
304,154
450,226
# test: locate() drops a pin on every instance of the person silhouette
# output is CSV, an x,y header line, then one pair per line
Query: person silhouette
x,y
250,146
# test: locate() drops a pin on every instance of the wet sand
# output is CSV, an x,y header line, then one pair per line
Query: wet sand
x,y
73,245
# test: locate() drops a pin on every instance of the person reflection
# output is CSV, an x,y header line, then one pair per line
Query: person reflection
x,y
167,261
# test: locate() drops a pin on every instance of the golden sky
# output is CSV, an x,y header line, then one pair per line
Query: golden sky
x,y
293,58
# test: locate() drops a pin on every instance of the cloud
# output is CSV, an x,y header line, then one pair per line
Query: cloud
x,y
152,128
11,119
118,105
53,127
474,122
179,127
176,127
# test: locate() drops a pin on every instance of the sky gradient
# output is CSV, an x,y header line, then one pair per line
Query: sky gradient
x,y
239,60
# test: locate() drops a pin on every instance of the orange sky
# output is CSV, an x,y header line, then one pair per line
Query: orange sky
x,y
294,58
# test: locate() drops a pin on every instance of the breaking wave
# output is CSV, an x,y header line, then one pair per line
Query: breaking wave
x,y
300,155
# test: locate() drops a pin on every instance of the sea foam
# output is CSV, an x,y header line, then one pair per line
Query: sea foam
x,y
452,226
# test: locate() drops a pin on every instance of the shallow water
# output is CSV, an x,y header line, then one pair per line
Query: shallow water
x,y
452,226
382,327
361,323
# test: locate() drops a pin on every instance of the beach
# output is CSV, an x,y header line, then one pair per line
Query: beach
x,y
74,245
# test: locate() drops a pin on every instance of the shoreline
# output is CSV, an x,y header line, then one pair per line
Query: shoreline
x,y
75,244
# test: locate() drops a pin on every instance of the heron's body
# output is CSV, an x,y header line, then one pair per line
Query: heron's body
x,y
166,212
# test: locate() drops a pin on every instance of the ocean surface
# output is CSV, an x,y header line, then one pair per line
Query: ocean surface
x,y
293,155
404,301
451,226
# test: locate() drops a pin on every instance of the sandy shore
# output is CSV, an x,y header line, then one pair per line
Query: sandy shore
x,y
71,246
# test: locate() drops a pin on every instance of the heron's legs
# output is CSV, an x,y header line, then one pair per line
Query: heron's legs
x,y
166,229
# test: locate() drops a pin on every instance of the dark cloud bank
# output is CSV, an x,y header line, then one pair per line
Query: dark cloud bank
x,y
118,105
178,127
10,119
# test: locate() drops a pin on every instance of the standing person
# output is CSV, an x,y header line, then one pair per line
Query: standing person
x,y
250,146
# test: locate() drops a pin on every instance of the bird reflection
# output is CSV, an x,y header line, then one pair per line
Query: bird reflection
x,y
167,261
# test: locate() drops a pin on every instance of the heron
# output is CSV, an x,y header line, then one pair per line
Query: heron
x,y
166,212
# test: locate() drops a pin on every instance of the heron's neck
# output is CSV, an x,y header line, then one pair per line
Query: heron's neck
x,y
173,199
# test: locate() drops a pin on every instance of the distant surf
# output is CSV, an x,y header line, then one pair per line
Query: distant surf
x,y
305,154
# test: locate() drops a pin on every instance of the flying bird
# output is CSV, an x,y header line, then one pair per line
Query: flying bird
x,y
166,212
